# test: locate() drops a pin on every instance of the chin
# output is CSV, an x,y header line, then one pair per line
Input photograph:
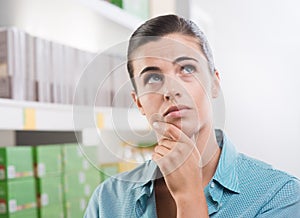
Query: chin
x,y
189,128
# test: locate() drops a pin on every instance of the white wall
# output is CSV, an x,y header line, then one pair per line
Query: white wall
x,y
256,46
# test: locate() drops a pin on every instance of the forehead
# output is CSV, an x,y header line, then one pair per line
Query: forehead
x,y
167,49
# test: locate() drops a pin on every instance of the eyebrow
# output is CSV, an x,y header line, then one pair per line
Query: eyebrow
x,y
184,58
177,60
149,69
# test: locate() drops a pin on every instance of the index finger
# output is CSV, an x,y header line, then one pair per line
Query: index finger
x,y
170,131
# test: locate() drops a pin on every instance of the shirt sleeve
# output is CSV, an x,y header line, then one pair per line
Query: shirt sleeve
x,y
92,210
284,203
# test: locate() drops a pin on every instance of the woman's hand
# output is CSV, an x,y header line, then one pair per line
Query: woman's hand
x,y
179,161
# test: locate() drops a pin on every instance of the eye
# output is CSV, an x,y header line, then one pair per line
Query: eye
x,y
152,78
188,69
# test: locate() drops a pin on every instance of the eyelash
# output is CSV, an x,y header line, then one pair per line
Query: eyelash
x,y
152,75
182,68
158,75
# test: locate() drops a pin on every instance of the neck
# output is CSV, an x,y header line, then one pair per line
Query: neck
x,y
210,153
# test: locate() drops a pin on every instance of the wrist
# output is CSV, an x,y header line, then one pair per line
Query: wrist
x,y
189,197
191,205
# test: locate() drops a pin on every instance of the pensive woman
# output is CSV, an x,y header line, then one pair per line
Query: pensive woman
x,y
195,170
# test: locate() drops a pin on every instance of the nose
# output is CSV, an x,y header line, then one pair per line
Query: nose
x,y
172,88
172,94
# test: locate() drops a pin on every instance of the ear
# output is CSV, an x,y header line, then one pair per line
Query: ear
x,y
137,102
215,84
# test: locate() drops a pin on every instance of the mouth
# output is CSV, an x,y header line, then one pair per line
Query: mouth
x,y
175,110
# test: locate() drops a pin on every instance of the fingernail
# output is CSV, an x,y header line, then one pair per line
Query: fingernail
x,y
155,125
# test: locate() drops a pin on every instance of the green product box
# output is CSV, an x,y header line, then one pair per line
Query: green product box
x,y
51,211
76,158
15,162
118,3
28,213
80,184
75,208
108,170
49,190
47,160
17,195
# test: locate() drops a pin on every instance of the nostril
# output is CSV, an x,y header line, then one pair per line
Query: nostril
x,y
171,95
167,96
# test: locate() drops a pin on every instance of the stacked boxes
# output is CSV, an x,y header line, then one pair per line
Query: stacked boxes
x,y
48,171
63,184
18,198
17,185
80,178
36,69
15,162
47,160
5,65
75,207
77,159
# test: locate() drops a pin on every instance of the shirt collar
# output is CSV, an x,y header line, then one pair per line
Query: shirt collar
x,y
148,174
226,173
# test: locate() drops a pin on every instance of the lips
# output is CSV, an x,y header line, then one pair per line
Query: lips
x,y
175,109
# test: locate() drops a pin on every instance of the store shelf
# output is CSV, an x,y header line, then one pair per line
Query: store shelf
x,y
24,115
113,13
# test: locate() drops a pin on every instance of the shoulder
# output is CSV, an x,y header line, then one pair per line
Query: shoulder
x,y
264,178
115,196
252,166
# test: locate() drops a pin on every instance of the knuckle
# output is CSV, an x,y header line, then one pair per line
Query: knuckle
x,y
154,157
161,141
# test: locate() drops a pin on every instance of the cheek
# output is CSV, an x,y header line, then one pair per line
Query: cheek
x,y
151,106
200,99
151,103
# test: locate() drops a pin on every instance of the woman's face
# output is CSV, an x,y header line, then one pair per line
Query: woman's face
x,y
174,84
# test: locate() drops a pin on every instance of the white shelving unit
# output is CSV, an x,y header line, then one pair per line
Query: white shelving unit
x,y
34,116
93,124
15,115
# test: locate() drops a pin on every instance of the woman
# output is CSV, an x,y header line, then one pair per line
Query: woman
x,y
195,170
